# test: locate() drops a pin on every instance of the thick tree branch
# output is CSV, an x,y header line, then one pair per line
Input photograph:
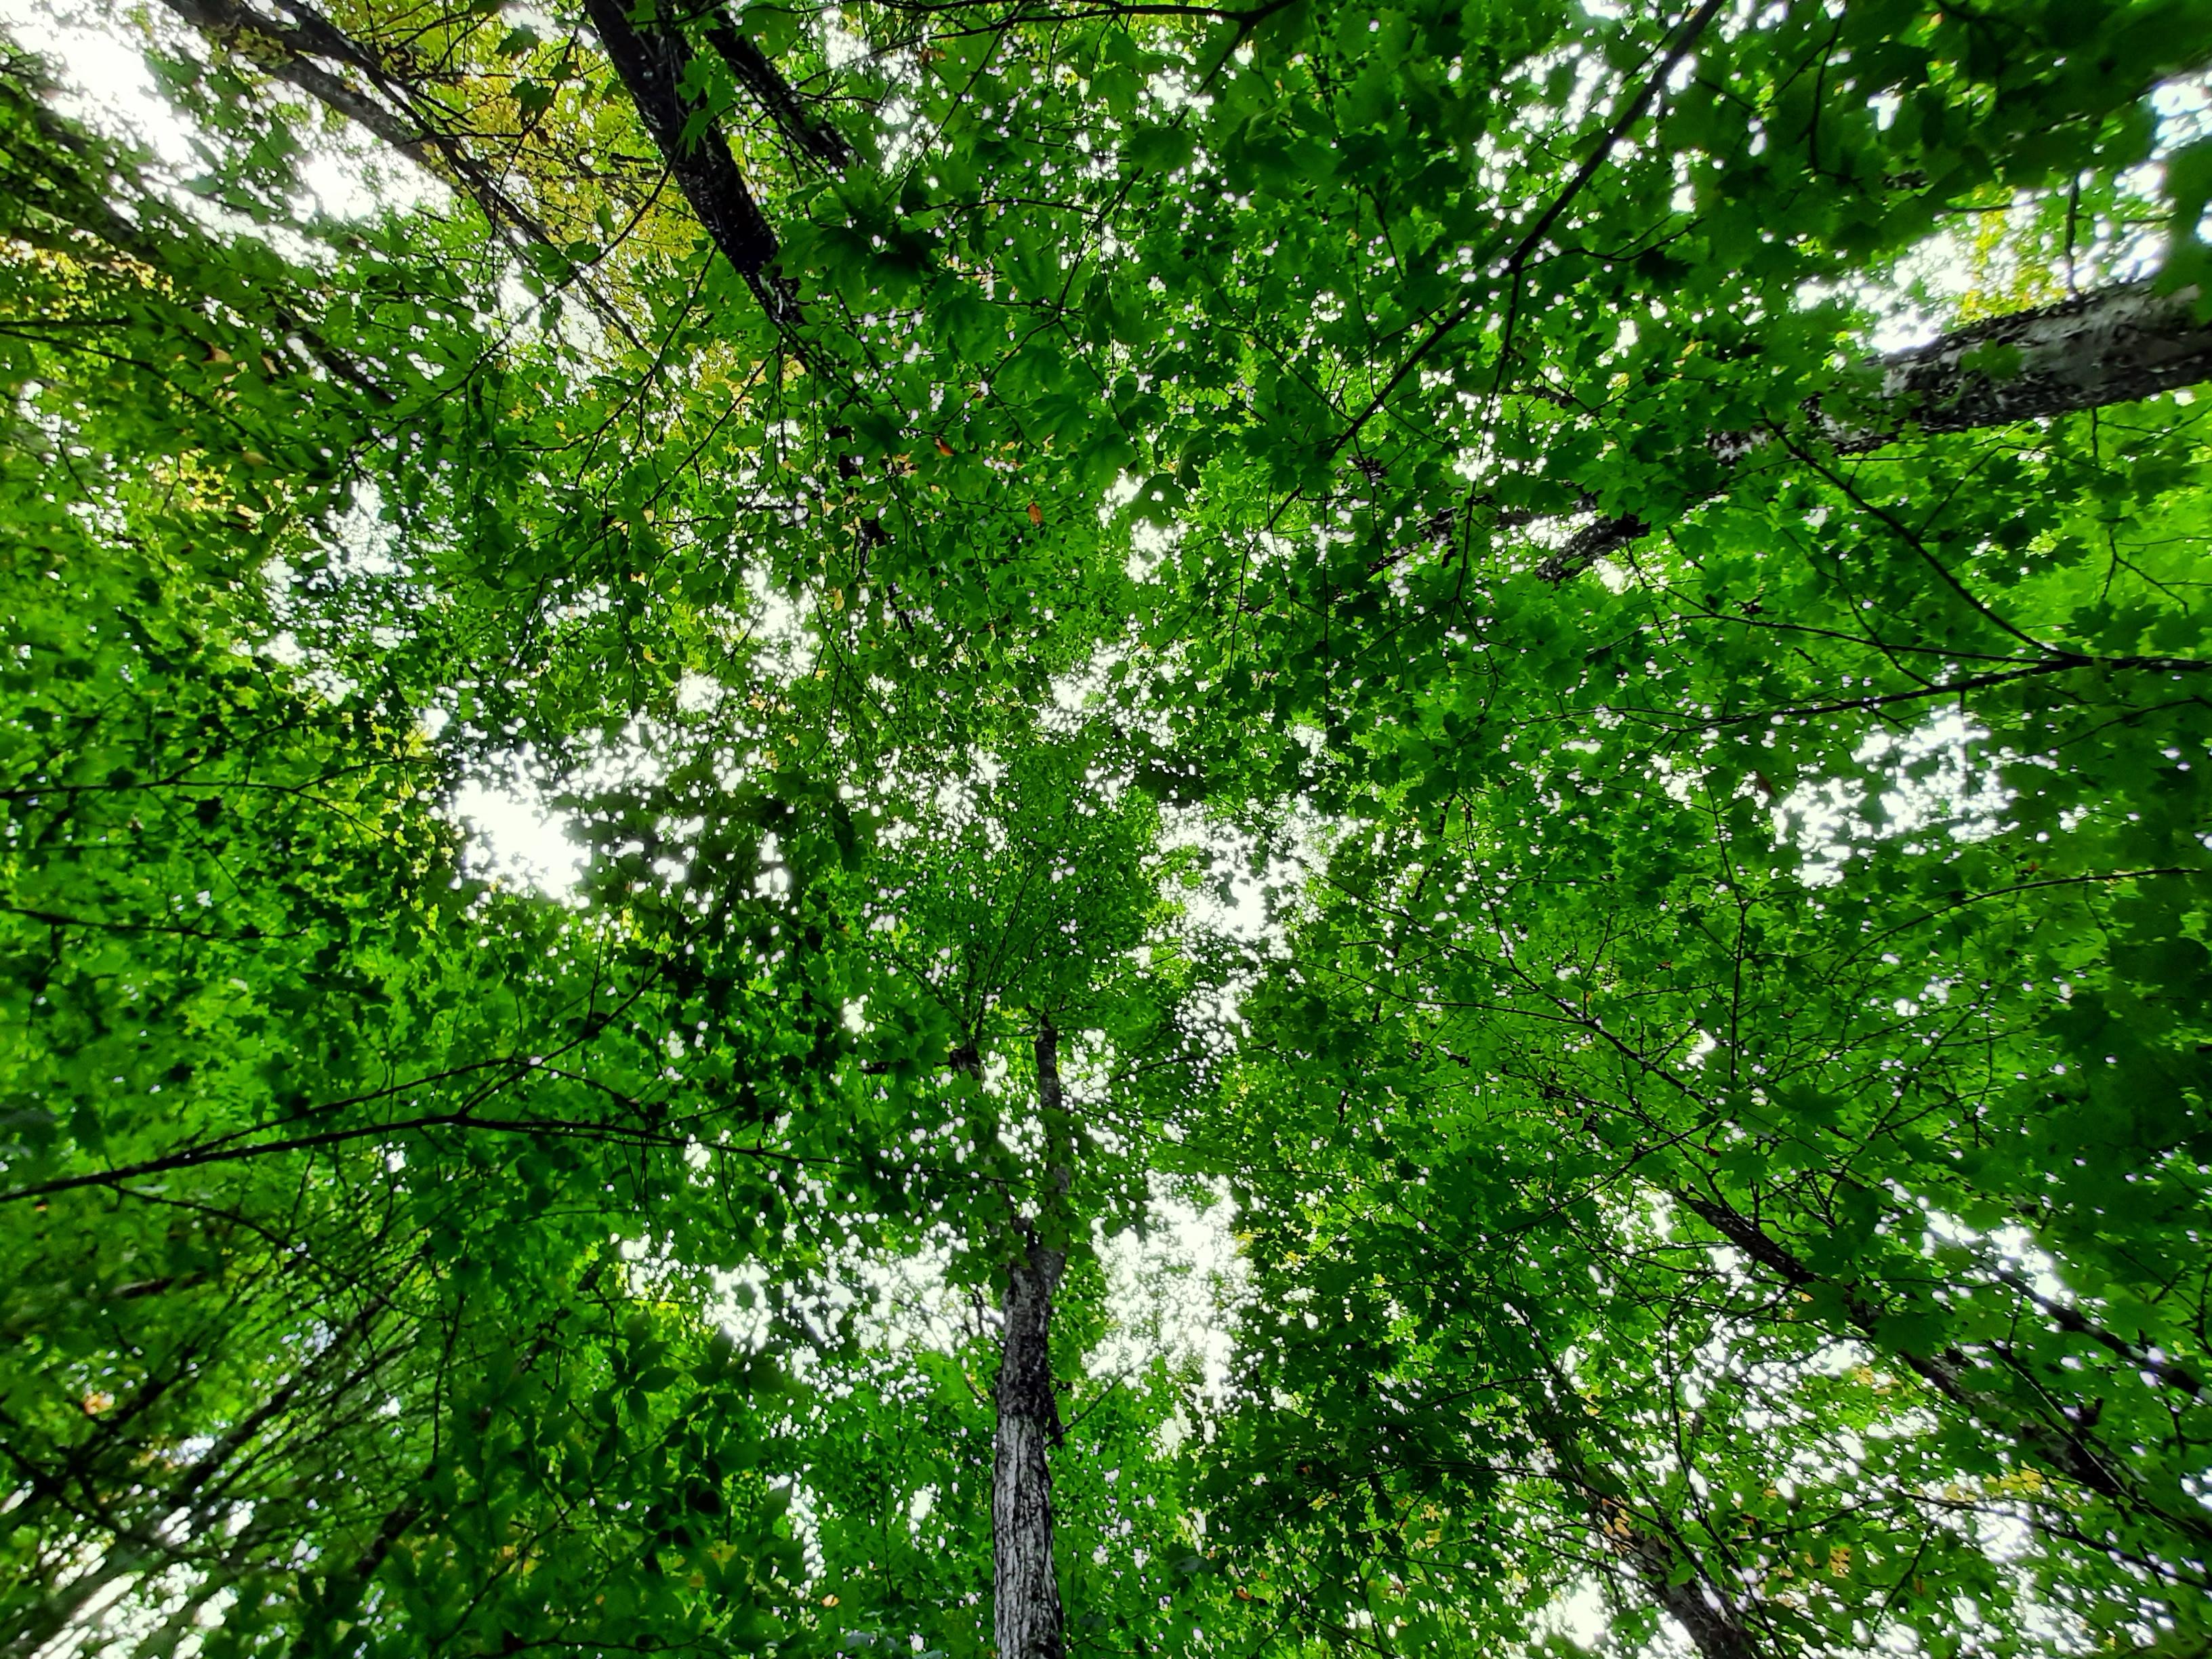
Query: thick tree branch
x,y
756,72
2066,1449
200,1157
652,65
285,52
2116,345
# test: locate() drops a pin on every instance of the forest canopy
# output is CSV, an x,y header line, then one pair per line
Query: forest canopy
x,y
1391,828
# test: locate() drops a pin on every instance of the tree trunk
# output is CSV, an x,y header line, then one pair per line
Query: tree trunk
x,y
1026,1588
756,72
1697,1604
652,64
1715,1631
2115,345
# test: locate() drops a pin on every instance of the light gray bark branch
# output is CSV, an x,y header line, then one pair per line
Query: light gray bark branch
x,y
2115,345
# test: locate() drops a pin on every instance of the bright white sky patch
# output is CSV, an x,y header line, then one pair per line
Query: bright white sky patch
x,y
90,49
1938,779
516,838
105,86
1173,1292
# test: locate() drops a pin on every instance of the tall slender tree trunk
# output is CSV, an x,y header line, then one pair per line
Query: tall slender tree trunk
x,y
1026,1588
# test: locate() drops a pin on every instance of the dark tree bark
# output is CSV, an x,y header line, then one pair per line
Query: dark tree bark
x,y
2115,345
652,64
1025,1589
756,72
1699,1605
391,109
2066,1449
281,51
1715,1631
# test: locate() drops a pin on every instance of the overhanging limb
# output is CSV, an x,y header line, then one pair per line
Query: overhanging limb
x,y
652,64
2114,345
